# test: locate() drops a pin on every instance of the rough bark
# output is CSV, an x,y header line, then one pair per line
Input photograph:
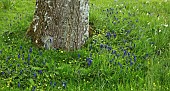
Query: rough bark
x,y
60,24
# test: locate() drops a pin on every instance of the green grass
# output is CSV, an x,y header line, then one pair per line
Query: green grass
x,y
129,50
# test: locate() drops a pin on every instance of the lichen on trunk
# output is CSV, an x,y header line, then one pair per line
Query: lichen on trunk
x,y
60,24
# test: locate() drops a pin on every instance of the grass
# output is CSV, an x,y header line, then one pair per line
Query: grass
x,y
128,51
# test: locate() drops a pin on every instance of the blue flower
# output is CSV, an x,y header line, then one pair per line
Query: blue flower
x,y
0,51
109,48
21,47
35,75
30,50
113,51
114,35
101,46
89,61
78,55
40,71
2,73
134,58
125,52
19,55
108,35
19,85
51,83
28,57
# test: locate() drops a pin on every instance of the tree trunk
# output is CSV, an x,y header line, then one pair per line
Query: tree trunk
x,y
60,24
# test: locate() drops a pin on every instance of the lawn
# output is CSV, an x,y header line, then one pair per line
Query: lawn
x,y
129,50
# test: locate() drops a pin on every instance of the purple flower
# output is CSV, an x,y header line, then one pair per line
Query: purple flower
x,y
19,85
89,61
125,52
21,47
2,73
114,35
109,48
108,35
131,63
19,55
113,52
101,46
28,57
51,83
35,75
40,71
134,58
30,50
0,51
78,55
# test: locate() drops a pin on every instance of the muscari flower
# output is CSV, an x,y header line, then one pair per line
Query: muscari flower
x,y
78,55
19,85
30,50
28,57
0,51
108,35
89,61
35,75
40,71
19,55
101,45
21,47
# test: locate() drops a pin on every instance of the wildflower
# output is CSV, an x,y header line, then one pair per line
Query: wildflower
x,y
125,52
89,61
114,35
134,57
0,51
113,52
19,55
35,75
51,83
64,84
2,73
19,85
101,46
40,71
78,55
108,35
21,47
28,57
30,50
109,48
128,53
